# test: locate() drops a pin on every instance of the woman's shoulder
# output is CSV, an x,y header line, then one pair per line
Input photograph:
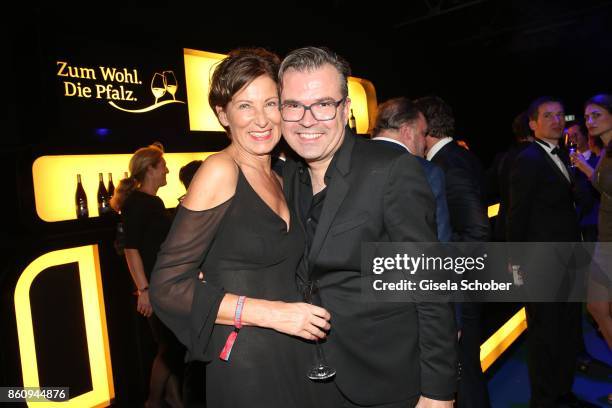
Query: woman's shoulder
x,y
139,201
213,184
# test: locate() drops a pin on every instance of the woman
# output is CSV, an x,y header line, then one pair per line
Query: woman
x,y
235,226
146,226
598,118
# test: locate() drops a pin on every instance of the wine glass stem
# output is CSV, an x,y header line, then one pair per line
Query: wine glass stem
x,y
320,355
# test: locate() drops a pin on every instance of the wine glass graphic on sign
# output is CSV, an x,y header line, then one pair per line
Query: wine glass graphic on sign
x,y
171,84
158,86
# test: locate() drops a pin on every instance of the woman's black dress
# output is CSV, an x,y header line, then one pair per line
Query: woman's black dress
x,y
243,248
146,224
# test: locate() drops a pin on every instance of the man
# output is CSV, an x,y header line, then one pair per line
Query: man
x,y
469,222
542,210
400,125
347,191
499,173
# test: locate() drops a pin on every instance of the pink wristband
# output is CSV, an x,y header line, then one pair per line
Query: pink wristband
x,y
231,339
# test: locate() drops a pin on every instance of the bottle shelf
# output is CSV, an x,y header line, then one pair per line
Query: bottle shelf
x,y
55,181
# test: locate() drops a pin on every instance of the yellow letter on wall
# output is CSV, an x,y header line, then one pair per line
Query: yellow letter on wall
x,y
95,325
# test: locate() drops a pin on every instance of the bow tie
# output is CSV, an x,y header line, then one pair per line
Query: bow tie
x,y
555,150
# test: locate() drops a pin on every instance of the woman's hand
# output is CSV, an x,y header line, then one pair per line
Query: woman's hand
x,y
581,164
303,320
144,305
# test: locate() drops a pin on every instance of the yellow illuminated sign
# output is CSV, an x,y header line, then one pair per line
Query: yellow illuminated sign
x,y
199,66
116,85
55,181
95,325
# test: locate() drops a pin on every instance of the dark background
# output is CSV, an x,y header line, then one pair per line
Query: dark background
x,y
488,59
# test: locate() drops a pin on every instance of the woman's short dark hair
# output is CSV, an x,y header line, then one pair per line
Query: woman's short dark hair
x,y
241,67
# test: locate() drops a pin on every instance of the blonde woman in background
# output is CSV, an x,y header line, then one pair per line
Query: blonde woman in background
x,y
146,225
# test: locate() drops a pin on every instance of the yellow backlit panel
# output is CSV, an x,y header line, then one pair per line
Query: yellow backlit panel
x,y
55,181
364,103
359,105
495,345
88,260
199,66
493,210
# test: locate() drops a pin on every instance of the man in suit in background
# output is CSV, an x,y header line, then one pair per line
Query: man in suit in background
x,y
400,125
542,210
345,191
498,176
468,216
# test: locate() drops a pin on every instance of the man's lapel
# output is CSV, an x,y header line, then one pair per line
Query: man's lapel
x,y
291,187
556,168
336,192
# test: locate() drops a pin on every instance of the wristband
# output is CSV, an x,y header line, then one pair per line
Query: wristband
x,y
231,339
140,291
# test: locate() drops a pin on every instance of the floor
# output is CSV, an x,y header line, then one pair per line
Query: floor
x,y
509,383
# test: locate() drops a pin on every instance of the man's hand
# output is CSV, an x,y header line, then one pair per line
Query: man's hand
x,y
425,402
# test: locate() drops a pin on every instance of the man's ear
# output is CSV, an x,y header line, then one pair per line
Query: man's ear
x,y
347,107
222,116
406,132
532,124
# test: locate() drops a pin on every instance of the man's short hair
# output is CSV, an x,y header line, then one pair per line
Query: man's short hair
x,y
311,58
394,113
581,126
439,116
520,127
187,172
534,106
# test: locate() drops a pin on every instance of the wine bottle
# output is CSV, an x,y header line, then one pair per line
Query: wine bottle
x,y
353,122
103,201
82,211
111,186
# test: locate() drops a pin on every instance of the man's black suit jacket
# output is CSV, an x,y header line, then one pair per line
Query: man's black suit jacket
x,y
464,193
541,200
383,352
503,181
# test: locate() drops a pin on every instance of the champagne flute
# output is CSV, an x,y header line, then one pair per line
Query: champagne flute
x,y
171,83
158,86
570,143
321,370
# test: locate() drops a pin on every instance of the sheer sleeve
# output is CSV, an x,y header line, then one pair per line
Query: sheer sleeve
x,y
185,304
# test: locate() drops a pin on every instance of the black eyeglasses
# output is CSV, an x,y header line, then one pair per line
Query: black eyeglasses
x,y
294,111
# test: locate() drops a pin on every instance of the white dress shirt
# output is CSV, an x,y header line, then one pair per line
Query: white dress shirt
x,y
555,157
439,145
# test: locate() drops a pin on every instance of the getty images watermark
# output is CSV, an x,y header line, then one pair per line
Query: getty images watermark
x,y
482,272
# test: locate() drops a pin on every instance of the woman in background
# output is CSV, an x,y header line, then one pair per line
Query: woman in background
x,y
146,225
